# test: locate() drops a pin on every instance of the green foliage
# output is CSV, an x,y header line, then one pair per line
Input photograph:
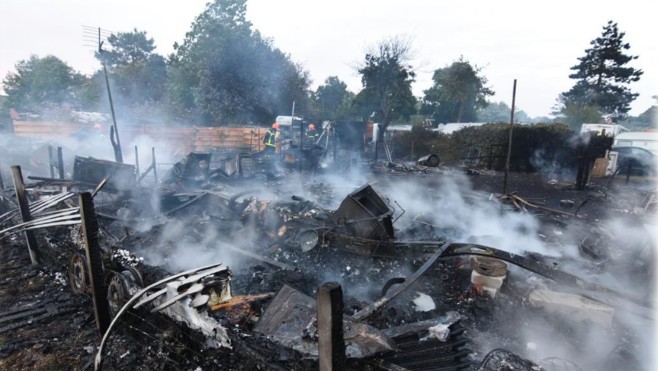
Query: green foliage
x,y
549,141
41,84
574,114
250,81
458,92
602,77
386,78
128,49
332,100
647,120
420,142
225,72
138,75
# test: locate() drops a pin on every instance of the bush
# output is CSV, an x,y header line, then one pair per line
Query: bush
x,y
548,141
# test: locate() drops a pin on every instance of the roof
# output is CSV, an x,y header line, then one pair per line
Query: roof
x,y
456,126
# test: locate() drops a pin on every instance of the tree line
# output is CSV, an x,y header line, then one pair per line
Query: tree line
x,y
225,72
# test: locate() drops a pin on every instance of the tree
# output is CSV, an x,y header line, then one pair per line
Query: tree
x,y
40,84
138,74
575,113
602,77
500,112
251,81
386,77
332,99
223,71
458,92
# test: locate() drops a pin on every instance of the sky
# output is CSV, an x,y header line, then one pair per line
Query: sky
x,y
532,42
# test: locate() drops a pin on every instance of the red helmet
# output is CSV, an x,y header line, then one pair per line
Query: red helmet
x,y
311,127
275,125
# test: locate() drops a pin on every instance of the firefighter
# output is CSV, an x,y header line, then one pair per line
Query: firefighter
x,y
311,136
271,139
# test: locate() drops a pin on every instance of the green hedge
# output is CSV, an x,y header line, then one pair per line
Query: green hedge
x,y
551,141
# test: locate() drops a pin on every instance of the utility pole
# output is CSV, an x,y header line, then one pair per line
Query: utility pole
x,y
509,140
114,133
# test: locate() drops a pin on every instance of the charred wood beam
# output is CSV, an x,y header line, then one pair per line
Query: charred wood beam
x,y
331,344
26,216
56,312
51,161
94,262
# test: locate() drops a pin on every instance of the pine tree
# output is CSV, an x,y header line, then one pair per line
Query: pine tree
x,y
603,75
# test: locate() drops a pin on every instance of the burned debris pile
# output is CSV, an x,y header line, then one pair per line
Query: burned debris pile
x,y
248,270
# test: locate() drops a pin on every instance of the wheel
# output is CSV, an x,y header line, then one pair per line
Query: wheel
x,y
78,276
117,293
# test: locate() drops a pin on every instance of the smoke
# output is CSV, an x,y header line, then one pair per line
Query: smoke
x,y
460,214
550,168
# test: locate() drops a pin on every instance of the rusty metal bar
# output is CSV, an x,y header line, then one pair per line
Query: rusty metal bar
x,y
94,262
60,162
331,344
26,216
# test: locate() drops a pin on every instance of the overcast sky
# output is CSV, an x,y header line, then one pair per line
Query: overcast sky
x,y
533,42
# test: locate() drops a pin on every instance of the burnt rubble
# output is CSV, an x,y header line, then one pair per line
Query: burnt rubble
x,y
372,272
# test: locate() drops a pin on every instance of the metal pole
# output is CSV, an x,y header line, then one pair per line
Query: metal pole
x,y
137,161
2,183
94,262
51,161
26,216
331,344
60,162
117,149
509,140
155,172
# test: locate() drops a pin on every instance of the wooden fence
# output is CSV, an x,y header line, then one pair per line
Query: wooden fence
x,y
185,139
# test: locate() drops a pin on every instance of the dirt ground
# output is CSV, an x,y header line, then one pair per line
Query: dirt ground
x,y
44,326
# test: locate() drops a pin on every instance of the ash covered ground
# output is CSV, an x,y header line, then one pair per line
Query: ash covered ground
x,y
581,297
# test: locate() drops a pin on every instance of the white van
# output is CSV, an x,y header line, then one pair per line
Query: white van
x,y
642,139
634,144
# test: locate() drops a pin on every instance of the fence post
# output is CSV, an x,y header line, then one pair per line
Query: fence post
x,y
94,262
51,162
331,344
60,162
